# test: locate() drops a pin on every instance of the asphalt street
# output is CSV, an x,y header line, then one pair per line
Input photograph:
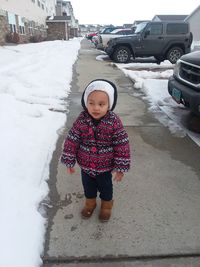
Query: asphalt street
x,y
156,214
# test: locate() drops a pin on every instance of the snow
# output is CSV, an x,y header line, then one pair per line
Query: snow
x,y
35,82
152,86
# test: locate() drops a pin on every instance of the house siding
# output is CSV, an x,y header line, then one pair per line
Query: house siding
x,y
27,14
4,27
30,9
58,31
194,21
28,18
66,9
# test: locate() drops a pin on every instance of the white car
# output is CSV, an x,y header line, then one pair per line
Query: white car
x,y
104,38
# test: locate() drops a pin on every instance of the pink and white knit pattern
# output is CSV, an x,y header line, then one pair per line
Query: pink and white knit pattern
x,y
97,149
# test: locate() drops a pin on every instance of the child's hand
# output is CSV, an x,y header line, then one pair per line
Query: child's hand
x,y
70,170
118,176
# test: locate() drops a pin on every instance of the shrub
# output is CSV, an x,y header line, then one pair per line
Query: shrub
x,y
16,38
36,39
9,37
12,37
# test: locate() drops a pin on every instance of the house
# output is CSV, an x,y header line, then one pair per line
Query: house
x,y
83,29
169,17
194,21
64,8
58,27
31,20
24,19
92,28
127,25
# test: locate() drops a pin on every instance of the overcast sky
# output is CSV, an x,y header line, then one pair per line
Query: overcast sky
x,y
127,11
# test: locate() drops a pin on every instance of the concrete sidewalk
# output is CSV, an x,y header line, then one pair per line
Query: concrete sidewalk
x,y
155,220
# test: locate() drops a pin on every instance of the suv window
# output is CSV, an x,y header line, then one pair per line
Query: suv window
x,y
140,27
174,28
155,29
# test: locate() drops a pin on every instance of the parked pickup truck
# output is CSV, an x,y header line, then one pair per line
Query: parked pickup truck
x,y
184,85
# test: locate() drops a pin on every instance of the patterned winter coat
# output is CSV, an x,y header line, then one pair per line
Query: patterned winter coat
x,y
97,149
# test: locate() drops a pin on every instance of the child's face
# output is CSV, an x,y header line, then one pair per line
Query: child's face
x,y
97,104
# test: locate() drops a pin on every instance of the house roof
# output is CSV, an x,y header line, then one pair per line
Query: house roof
x,y
170,17
196,10
128,25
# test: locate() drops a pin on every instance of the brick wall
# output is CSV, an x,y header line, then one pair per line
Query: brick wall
x,y
74,32
4,29
57,31
40,33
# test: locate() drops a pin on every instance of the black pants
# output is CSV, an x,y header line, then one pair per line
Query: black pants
x,y
101,183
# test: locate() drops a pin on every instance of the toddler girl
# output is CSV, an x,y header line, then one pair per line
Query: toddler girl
x,y
100,145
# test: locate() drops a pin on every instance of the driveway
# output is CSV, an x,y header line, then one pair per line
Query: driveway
x,y
155,220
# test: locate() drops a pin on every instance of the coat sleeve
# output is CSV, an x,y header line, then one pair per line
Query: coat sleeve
x,y
71,145
121,147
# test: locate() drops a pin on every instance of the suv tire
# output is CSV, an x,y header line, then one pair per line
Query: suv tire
x,y
122,54
174,54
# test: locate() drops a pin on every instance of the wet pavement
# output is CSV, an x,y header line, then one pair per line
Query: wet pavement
x,y
155,220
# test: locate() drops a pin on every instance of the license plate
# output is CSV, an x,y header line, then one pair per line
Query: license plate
x,y
176,94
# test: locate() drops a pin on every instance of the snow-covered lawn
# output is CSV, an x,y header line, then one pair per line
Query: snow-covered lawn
x,y
35,81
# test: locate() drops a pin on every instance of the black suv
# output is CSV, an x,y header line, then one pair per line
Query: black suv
x,y
163,40
184,85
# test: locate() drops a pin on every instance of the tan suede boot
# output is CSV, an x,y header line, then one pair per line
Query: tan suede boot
x,y
90,205
105,212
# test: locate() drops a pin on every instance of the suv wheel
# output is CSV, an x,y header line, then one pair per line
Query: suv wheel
x,y
174,54
122,54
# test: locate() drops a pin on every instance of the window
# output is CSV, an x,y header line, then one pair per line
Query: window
x,y
38,2
177,28
140,27
21,30
31,26
155,29
12,28
33,1
21,25
12,22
